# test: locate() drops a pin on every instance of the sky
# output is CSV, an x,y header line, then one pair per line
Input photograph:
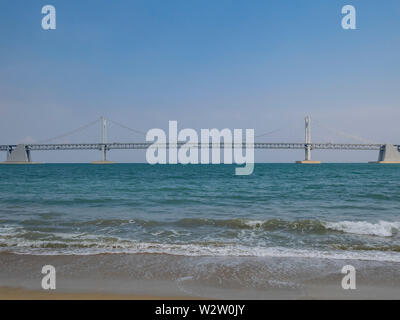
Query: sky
x,y
207,64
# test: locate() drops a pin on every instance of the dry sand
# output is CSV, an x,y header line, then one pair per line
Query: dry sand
x,y
7,293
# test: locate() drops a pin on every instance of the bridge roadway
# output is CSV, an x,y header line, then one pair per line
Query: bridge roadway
x,y
145,145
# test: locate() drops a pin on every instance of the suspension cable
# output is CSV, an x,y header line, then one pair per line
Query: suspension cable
x,y
125,127
71,132
344,133
268,133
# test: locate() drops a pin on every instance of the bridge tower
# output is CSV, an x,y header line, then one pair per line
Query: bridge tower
x,y
307,144
19,154
388,153
307,139
103,144
104,138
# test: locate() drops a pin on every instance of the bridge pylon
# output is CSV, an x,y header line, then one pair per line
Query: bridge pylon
x,y
388,154
307,144
103,147
19,154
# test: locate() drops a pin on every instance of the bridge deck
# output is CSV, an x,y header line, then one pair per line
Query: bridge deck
x,y
145,145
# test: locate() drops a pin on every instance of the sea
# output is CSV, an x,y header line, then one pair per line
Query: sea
x,y
306,213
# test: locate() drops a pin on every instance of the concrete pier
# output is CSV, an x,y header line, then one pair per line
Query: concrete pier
x,y
103,162
308,161
388,154
19,155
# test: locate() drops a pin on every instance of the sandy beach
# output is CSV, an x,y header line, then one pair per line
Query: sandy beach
x,y
23,294
313,293
144,277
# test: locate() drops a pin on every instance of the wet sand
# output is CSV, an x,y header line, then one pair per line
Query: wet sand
x,y
158,276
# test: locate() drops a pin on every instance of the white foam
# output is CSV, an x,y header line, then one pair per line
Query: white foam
x,y
381,229
88,244
38,248
9,230
254,223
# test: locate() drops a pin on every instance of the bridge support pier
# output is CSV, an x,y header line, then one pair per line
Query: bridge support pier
x,y
103,156
19,155
307,145
104,145
388,154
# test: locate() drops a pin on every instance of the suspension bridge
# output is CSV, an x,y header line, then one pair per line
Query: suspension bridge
x,y
21,153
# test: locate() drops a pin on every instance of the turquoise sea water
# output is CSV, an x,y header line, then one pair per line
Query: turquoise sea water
x,y
330,210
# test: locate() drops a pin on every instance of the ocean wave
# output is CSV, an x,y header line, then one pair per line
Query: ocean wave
x,y
17,240
264,225
114,222
193,250
381,229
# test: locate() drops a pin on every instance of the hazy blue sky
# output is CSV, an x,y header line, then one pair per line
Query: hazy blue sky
x,y
236,64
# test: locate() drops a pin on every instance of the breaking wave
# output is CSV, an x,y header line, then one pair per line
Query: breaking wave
x,y
125,247
98,240
380,229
